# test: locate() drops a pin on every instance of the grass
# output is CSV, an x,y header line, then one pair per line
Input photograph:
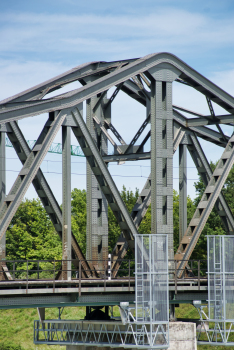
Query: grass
x,y
17,326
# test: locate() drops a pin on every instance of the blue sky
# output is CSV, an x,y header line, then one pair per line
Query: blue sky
x,y
40,39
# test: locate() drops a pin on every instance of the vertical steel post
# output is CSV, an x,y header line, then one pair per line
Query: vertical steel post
x,y
162,161
182,191
66,207
2,195
97,207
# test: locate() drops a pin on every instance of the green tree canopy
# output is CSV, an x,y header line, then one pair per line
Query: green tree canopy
x,y
31,234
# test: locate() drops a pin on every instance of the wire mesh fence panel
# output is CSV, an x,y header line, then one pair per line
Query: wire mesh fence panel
x,y
151,278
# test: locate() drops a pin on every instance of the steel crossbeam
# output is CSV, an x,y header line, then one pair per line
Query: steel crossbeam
x,y
205,206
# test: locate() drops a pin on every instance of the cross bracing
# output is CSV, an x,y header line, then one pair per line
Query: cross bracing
x,y
149,81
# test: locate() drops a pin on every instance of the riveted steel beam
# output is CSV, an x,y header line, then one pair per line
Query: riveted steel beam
x,y
66,207
205,172
71,99
2,197
182,190
205,206
29,170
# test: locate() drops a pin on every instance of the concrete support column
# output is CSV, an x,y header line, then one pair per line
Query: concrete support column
x,y
66,207
97,206
182,190
162,161
2,195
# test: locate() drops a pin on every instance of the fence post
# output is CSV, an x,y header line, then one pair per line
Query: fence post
x,y
27,278
14,270
54,278
175,276
79,278
38,269
129,272
199,273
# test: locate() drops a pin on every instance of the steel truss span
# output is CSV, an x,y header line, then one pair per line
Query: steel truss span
x,y
164,126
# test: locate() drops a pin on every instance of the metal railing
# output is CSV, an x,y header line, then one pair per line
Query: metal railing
x,y
33,270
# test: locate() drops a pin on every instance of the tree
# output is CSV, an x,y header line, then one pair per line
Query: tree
x,y
31,234
78,217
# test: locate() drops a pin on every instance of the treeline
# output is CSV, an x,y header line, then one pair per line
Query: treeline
x,y
32,236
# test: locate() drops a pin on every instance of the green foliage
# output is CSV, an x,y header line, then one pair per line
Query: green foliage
x,y
31,234
78,216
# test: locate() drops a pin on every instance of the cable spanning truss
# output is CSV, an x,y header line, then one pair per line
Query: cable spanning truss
x,y
54,148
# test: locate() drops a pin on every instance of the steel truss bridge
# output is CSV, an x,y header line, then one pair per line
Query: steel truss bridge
x,y
149,81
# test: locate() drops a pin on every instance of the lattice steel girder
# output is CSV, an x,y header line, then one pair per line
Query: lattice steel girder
x,y
97,207
201,131
77,73
219,119
141,65
103,334
43,191
162,157
66,206
204,170
205,206
138,134
104,178
2,197
182,190
115,132
29,170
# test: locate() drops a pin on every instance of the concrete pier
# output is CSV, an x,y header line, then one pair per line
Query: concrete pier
x,y
182,335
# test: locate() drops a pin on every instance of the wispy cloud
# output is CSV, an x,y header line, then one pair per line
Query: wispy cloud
x,y
169,29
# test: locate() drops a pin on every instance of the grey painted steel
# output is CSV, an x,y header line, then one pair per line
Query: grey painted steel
x,y
139,210
182,191
205,206
78,73
201,131
43,191
29,170
2,197
66,207
98,333
104,178
141,65
97,207
115,132
205,172
138,134
162,159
